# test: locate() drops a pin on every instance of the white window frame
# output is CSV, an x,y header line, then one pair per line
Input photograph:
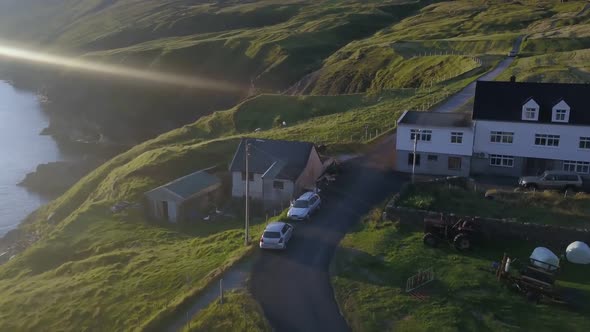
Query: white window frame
x,y
584,143
530,111
560,115
457,137
546,139
423,135
560,112
581,167
501,137
501,161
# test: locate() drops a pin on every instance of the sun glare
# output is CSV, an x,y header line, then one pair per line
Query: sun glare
x,y
30,56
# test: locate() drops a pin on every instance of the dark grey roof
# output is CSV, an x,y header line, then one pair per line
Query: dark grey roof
x,y
191,184
291,155
436,119
502,101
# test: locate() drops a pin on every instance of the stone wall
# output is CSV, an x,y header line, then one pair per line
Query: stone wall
x,y
555,237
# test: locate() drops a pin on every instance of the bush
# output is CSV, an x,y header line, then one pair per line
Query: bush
x,y
421,202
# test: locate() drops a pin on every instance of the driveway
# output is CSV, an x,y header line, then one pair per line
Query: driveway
x,y
293,287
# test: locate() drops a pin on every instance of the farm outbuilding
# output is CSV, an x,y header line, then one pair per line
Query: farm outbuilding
x,y
279,170
185,198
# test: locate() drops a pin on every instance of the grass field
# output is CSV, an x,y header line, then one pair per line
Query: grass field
x,y
239,312
543,207
455,29
126,272
114,273
95,270
370,269
564,67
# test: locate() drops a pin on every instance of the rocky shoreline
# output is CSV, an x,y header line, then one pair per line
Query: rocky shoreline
x,y
53,179
14,242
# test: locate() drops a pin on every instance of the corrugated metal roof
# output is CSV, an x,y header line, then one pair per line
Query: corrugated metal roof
x,y
191,184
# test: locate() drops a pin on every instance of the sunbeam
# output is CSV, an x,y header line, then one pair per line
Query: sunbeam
x,y
31,56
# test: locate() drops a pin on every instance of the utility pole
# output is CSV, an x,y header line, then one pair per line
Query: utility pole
x,y
247,221
416,133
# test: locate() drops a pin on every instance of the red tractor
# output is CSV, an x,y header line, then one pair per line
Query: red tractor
x,y
461,232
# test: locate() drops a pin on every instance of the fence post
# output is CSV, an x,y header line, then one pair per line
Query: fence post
x,y
221,291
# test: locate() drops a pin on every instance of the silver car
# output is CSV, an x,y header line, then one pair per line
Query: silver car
x,y
276,235
304,206
552,180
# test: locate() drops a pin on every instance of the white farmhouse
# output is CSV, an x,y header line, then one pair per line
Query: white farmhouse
x,y
278,170
527,128
443,143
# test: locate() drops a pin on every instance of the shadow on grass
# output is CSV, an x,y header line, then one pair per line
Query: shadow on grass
x,y
202,228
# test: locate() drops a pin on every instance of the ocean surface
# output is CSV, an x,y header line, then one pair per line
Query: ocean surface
x,y
21,150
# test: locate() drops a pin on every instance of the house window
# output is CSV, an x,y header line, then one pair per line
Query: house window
x,y
576,166
432,157
421,135
501,161
530,113
584,142
546,140
454,163
501,137
560,116
411,159
457,137
278,185
250,176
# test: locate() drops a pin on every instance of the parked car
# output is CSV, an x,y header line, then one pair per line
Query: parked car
x,y
512,53
304,206
552,180
276,235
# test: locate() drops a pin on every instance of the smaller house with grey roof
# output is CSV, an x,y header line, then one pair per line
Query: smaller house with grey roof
x,y
185,198
434,143
278,170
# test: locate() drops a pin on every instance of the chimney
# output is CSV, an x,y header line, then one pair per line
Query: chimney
x,y
512,79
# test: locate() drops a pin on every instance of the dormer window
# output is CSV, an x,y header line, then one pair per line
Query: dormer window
x,y
561,112
530,111
560,116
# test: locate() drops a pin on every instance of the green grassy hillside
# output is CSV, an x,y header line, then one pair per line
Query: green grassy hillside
x,y
442,38
97,270
565,67
264,46
128,272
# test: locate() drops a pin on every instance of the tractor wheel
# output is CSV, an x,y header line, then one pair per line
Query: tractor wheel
x,y
462,242
430,240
